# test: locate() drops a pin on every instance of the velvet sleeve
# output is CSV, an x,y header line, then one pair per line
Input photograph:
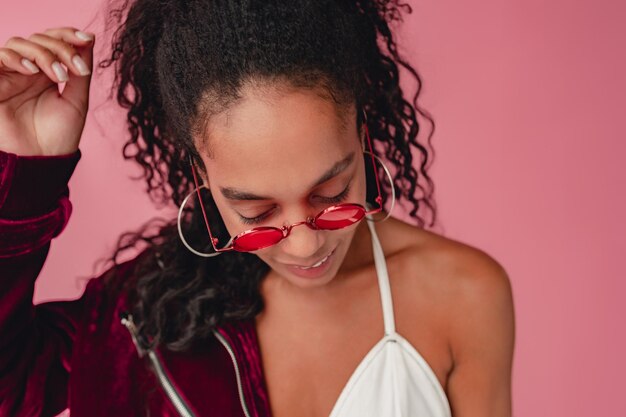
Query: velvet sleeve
x,y
35,341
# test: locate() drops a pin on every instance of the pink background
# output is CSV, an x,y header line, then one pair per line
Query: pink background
x,y
528,99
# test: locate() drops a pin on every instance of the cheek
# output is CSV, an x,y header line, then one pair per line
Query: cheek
x,y
360,184
233,225
362,190
230,219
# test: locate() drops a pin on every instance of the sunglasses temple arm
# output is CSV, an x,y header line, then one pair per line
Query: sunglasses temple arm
x,y
214,240
379,199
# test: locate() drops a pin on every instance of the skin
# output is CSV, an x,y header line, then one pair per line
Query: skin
x,y
453,302
35,117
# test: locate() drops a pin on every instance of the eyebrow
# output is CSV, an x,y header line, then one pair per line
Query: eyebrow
x,y
240,195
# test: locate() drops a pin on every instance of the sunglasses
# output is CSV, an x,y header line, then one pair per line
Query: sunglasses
x,y
331,218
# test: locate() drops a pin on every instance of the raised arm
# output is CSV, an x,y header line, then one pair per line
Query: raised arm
x,y
40,129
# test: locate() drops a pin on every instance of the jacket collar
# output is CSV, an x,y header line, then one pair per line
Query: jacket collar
x,y
242,337
240,340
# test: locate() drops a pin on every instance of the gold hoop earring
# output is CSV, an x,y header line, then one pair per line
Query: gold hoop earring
x,y
180,230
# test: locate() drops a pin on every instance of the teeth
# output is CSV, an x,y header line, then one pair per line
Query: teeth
x,y
317,264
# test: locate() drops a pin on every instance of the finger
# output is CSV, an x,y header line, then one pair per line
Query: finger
x,y
11,60
43,57
72,35
63,50
76,89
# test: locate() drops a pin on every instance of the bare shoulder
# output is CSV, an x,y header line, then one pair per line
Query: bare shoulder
x,y
470,293
457,269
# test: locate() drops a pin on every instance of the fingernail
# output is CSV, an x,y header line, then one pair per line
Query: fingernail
x,y
30,65
59,71
80,65
83,35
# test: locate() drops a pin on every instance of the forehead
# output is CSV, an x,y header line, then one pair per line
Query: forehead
x,y
278,140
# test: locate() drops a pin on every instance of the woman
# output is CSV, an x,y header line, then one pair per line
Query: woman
x,y
283,288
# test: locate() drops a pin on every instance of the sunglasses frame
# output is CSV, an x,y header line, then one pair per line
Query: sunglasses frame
x,y
286,230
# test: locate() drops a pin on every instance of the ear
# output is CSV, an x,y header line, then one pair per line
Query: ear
x,y
204,180
201,175
362,138
363,130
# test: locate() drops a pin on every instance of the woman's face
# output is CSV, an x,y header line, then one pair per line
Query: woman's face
x,y
277,157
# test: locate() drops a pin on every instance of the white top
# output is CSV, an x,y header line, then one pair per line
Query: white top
x,y
393,379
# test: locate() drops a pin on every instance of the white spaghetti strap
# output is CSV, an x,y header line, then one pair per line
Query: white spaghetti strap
x,y
383,282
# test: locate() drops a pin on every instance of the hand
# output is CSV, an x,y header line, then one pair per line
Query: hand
x,y
35,117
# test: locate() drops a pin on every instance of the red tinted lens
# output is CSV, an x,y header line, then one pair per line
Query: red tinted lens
x,y
259,238
340,216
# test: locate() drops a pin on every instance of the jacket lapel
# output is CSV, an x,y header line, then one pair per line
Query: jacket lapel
x,y
241,336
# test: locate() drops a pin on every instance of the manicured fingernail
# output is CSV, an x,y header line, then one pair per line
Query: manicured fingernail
x,y
28,64
80,65
83,35
59,71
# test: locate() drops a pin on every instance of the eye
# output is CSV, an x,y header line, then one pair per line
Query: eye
x,y
329,200
339,197
254,220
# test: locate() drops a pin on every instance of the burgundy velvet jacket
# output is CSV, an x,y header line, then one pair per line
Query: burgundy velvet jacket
x,y
80,354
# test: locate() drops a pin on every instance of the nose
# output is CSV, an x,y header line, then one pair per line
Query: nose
x,y
302,242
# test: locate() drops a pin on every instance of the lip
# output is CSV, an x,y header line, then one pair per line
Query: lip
x,y
312,263
313,272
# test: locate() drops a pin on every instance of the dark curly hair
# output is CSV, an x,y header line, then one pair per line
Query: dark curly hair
x,y
177,62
